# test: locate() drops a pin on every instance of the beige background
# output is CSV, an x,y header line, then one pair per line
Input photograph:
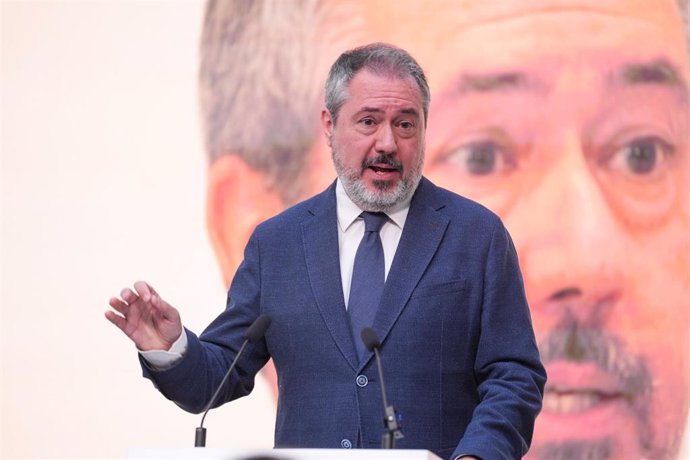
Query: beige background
x,y
103,178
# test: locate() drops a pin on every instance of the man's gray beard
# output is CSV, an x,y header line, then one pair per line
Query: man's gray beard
x,y
384,198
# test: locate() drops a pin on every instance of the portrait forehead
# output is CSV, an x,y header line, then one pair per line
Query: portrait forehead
x,y
478,35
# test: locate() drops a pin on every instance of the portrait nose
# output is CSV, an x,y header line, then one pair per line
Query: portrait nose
x,y
386,142
569,242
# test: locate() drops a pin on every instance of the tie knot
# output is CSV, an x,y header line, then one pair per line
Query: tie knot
x,y
373,221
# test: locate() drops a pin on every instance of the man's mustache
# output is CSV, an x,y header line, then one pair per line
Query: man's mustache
x,y
382,159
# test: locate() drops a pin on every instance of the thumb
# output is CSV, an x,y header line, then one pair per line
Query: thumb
x,y
162,307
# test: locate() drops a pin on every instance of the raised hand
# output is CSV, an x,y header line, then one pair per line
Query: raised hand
x,y
144,317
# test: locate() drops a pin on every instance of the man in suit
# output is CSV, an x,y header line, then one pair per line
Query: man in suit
x,y
457,341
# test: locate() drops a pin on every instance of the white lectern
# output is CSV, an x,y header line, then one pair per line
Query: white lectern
x,y
205,453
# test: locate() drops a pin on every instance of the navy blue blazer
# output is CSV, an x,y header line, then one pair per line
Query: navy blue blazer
x,y
458,348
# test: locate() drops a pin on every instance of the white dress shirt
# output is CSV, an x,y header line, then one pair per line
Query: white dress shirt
x,y
351,231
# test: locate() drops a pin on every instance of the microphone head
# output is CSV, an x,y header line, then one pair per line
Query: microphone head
x,y
370,339
258,328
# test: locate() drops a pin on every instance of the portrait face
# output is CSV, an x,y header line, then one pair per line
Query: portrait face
x,y
572,125
570,120
377,140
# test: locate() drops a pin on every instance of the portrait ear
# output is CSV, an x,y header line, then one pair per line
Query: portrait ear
x,y
238,198
327,125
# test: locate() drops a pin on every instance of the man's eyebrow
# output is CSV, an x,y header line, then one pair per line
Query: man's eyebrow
x,y
494,81
410,111
407,111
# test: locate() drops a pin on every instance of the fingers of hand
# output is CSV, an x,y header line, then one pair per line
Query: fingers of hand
x,y
125,313
143,303
145,291
142,291
118,305
116,319
128,296
148,294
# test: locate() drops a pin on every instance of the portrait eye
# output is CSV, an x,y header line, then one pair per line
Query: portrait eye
x,y
640,157
480,158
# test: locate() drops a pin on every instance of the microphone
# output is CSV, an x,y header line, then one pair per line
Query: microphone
x,y
254,332
390,419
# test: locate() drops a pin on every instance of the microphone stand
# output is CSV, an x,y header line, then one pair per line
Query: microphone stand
x,y
390,420
200,433
254,333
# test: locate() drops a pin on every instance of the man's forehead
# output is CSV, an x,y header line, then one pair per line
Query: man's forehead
x,y
371,89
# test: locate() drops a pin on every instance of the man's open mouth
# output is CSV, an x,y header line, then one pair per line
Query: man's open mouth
x,y
383,169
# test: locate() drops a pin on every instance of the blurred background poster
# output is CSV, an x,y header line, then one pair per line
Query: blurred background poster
x,y
106,180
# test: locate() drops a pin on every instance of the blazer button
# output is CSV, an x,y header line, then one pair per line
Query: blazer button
x,y
346,444
362,381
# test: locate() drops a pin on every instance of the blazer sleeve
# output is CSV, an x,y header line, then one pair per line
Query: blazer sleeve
x,y
194,379
509,374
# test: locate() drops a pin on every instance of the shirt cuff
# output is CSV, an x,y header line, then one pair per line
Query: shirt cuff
x,y
161,360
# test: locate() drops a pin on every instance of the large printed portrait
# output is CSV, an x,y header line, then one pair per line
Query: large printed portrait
x,y
569,119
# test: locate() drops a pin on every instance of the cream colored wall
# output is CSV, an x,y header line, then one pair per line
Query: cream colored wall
x,y
103,179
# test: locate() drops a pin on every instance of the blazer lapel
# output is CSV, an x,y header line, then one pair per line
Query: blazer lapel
x,y
424,229
320,239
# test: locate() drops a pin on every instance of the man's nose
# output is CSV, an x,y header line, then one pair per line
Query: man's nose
x,y
386,141
569,241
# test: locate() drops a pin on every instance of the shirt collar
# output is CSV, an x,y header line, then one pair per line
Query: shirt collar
x,y
348,211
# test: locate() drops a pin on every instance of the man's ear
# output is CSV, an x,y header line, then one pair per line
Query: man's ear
x,y
327,125
238,198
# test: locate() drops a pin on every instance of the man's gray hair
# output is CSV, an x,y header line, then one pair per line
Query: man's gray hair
x,y
380,59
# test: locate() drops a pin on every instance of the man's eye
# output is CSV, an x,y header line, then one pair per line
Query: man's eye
x,y
640,157
480,158
367,122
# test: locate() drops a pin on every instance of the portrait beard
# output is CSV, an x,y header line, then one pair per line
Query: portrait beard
x,y
386,196
574,343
